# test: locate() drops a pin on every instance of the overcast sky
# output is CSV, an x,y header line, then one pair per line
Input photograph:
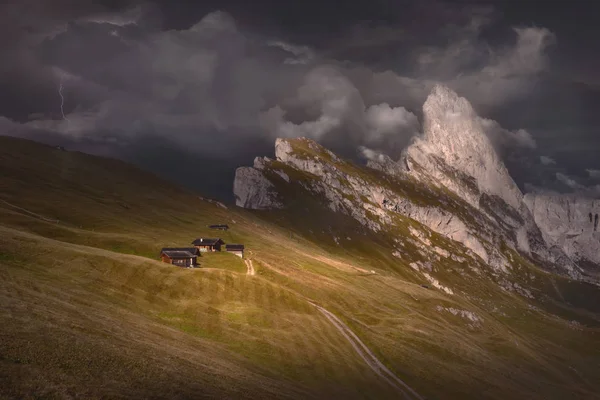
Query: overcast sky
x,y
184,90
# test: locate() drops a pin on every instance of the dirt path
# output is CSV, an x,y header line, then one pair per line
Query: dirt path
x,y
363,351
368,356
250,267
337,264
30,213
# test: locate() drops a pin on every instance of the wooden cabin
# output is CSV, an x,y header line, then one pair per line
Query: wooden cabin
x,y
186,257
237,249
219,227
208,244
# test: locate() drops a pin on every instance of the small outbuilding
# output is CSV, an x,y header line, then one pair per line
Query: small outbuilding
x,y
237,249
208,244
186,257
219,227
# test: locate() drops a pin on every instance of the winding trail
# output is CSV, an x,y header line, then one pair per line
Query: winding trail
x,y
368,356
363,351
250,267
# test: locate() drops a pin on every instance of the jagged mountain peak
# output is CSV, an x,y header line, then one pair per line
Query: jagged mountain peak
x,y
454,151
451,125
442,96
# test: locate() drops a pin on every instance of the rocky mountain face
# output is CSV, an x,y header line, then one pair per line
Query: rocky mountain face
x,y
449,181
455,152
253,190
571,223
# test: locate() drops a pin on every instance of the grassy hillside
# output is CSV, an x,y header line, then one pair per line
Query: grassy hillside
x,y
88,311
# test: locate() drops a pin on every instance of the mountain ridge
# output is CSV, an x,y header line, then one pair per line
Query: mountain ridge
x,y
453,154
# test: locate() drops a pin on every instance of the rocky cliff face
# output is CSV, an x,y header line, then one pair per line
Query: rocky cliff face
x,y
455,152
571,223
253,190
379,202
371,203
450,181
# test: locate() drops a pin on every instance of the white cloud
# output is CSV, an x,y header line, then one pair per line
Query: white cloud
x,y
444,63
487,75
274,120
523,138
463,45
371,154
217,22
570,182
129,17
509,71
384,121
302,54
484,73
505,139
547,160
341,109
527,56
331,92
593,173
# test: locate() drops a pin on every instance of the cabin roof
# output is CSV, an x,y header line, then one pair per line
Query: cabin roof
x,y
182,252
234,247
178,254
207,241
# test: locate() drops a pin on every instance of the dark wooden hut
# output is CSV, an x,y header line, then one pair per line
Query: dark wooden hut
x,y
186,257
237,249
208,244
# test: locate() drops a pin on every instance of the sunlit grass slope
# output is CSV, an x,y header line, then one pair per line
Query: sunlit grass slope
x,y
87,311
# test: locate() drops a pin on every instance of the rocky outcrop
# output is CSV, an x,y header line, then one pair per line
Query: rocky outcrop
x,y
385,164
570,223
254,191
439,221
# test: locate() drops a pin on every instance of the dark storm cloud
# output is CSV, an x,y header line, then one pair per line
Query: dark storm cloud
x,y
202,88
215,84
26,83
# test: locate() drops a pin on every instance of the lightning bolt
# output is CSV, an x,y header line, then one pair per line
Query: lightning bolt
x,y
62,100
